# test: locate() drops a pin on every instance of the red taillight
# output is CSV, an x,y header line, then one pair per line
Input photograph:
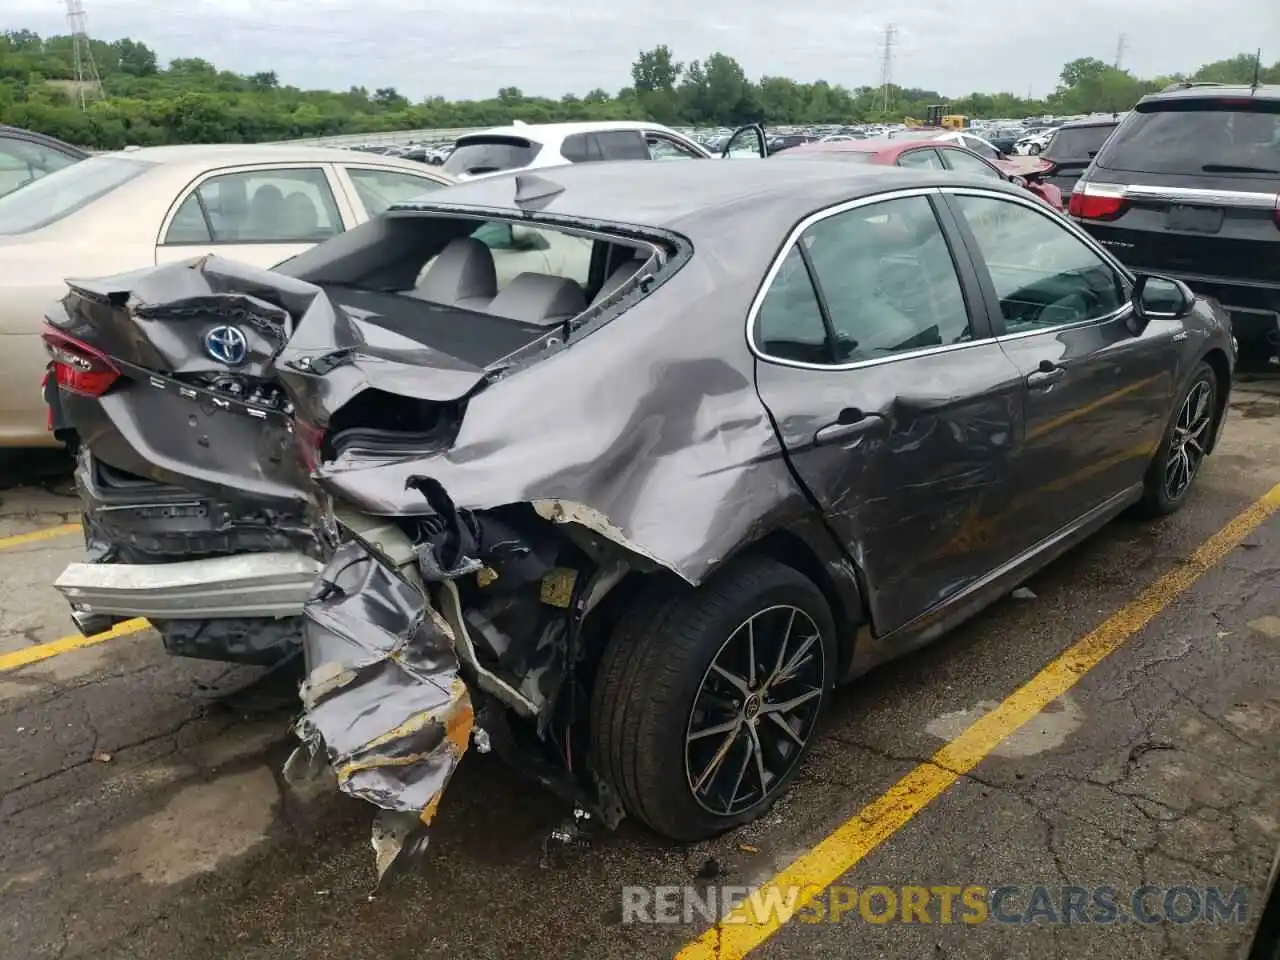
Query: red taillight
x,y
1096,202
78,367
309,438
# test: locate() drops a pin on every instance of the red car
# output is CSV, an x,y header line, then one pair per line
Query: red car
x,y
939,155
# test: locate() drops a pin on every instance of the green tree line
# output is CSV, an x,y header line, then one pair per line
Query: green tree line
x,y
191,101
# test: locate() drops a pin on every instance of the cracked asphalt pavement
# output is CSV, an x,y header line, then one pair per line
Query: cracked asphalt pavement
x,y
145,816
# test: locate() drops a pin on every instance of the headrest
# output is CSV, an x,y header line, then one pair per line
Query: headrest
x,y
539,298
463,270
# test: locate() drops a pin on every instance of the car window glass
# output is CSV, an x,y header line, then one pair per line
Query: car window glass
x,y
888,279
963,162
22,161
664,148
1044,275
1184,138
1078,143
65,191
485,153
267,206
379,189
580,148
622,145
789,323
980,146
188,224
920,158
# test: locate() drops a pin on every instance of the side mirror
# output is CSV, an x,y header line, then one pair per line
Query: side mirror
x,y
1018,181
1156,298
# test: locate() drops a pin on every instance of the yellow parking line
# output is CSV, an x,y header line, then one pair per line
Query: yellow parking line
x,y
745,928
48,533
43,651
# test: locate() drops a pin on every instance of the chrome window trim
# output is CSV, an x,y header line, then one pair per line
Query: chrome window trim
x,y
1124,310
933,191
793,238
1119,314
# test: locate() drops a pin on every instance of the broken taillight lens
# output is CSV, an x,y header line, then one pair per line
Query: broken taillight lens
x,y
1097,202
78,367
309,438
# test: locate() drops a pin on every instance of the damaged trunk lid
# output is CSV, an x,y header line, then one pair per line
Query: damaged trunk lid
x,y
165,371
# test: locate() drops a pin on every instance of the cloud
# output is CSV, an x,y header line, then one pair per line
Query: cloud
x,y
469,50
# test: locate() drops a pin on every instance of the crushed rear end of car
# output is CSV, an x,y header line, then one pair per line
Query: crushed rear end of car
x,y
476,492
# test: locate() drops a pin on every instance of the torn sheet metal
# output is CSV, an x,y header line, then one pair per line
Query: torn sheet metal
x,y
383,704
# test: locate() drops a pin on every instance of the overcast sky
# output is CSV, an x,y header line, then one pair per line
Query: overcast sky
x,y
470,48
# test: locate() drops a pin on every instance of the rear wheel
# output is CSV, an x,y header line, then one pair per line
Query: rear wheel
x,y
706,700
1177,463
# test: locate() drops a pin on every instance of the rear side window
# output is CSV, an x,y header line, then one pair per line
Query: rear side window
x,y
490,154
623,145
1078,143
605,145
789,324
258,206
1198,137
580,148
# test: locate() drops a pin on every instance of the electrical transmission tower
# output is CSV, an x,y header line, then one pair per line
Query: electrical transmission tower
x,y
1120,45
88,83
886,67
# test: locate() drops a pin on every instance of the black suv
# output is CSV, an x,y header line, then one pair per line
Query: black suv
x,y
1189,186
1072,148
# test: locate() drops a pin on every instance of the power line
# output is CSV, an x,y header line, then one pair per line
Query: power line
x,y
886,67
88,83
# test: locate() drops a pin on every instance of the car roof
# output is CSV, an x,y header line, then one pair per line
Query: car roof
x,y
555,132
721,201
231,154
19,133
1215,91
1089,122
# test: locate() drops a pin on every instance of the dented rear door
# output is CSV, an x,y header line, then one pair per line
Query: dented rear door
x,y
898,411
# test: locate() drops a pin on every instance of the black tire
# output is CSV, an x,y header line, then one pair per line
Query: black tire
x,y
1158,499
652,674
1034,149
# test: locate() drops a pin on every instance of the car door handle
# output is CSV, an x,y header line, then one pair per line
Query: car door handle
x,y
1047,374
850,422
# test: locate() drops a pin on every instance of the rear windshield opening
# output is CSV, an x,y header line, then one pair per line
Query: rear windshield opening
x,y
63,192
1199,137
476,289
473,156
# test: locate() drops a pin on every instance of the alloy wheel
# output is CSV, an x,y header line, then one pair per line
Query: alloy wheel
x,y
1190,438
755,710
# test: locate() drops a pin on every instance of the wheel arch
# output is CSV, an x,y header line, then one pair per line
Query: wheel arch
x,y
1217,360
811,552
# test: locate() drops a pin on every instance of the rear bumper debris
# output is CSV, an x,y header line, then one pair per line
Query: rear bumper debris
x,y
246,585
384,707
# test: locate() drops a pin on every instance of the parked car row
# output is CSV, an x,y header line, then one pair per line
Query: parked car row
x,y
625,464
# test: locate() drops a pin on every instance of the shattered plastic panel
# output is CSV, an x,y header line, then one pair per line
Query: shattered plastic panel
x,y
383,704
